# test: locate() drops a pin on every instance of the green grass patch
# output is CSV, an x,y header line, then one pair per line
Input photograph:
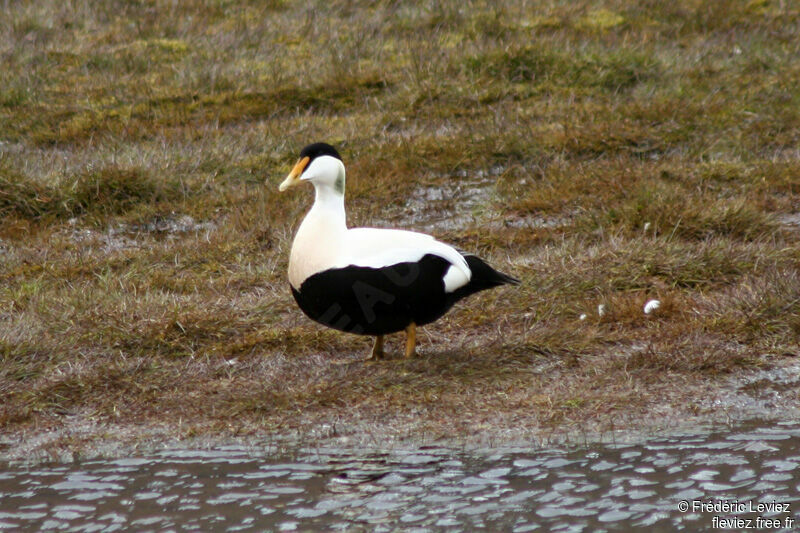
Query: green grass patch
x,y
609,70
109,191
143,119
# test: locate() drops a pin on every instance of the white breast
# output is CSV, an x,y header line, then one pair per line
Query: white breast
x,y
316,247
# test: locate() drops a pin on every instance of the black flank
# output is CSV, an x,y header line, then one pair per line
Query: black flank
x,y
377,301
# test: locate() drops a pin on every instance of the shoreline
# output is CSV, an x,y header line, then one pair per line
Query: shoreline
x,y
80,439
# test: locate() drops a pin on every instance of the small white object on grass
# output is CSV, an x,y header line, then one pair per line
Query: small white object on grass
x,y
651,306
646,226
582,317
601,309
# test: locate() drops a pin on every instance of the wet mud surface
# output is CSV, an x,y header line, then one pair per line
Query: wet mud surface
x,y
751,467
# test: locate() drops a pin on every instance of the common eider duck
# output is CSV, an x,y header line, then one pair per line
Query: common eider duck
x,y
372,281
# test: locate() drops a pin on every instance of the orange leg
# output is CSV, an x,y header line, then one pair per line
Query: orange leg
x,y
411,340
377,349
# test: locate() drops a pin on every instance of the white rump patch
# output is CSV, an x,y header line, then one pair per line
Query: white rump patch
x,y
454,279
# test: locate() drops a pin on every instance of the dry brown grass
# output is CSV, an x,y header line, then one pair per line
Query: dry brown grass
x,y
605,153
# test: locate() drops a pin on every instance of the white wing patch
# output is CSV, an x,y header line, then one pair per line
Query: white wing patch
x,y
377,248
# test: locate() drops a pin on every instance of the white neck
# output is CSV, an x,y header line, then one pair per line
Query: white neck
x,y
329,206
320,236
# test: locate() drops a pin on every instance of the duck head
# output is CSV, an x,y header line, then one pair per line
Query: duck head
x,y
319,164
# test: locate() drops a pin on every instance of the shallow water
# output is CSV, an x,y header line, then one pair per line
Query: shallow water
x,y
601,487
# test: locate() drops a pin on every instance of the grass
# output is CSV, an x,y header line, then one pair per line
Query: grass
x,y
105,192
604,153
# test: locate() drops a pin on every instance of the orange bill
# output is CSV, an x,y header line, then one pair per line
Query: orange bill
x,y
294,176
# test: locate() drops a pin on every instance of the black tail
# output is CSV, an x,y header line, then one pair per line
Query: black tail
x,y
483,277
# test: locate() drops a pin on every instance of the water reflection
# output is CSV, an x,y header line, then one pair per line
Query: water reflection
x,y
596,488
